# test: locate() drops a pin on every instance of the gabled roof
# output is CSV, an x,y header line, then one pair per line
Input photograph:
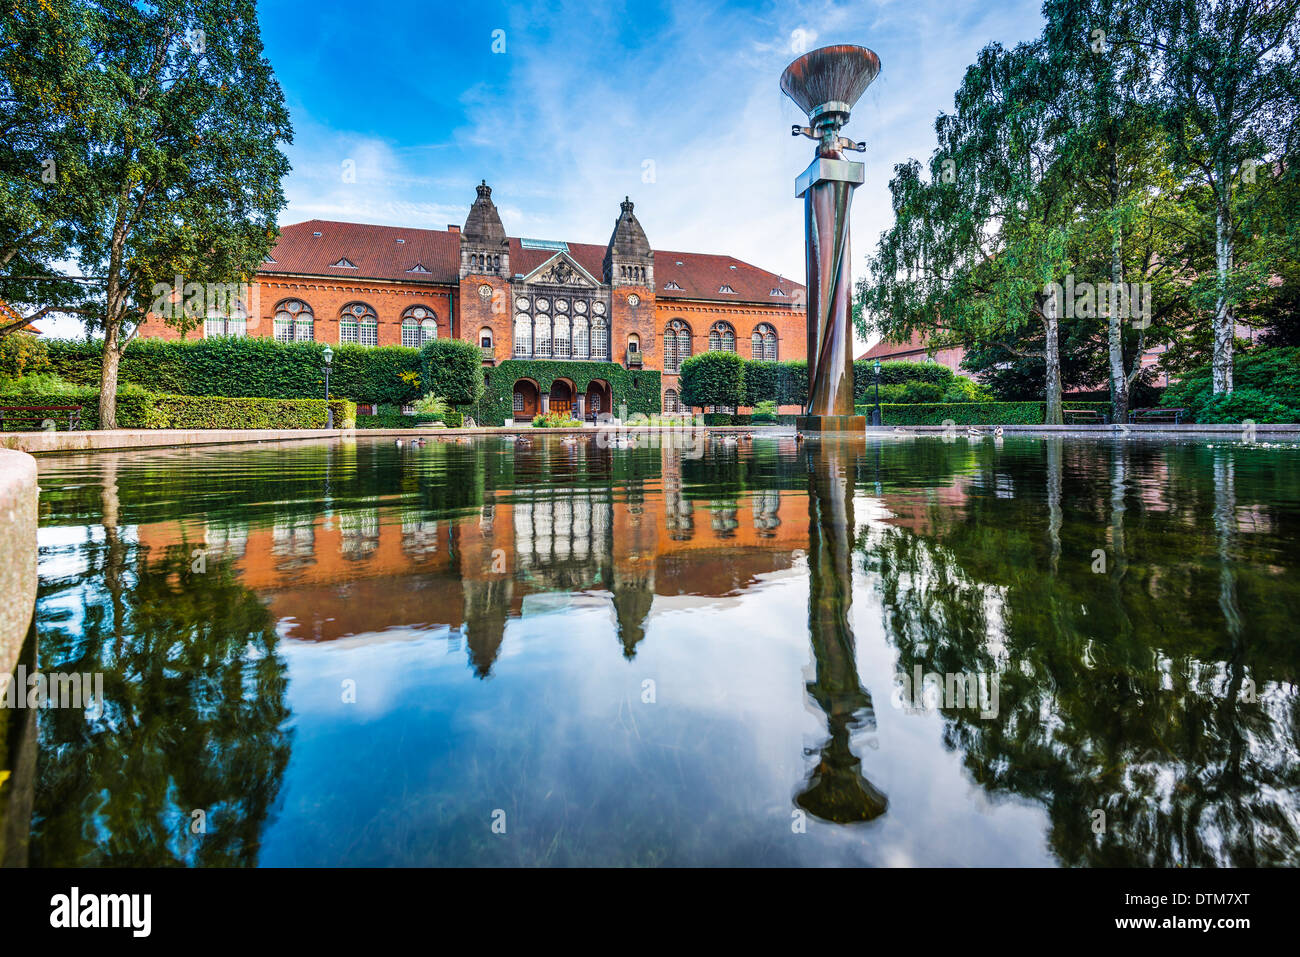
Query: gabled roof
x,y
378,255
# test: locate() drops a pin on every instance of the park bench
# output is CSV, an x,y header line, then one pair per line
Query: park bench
x,y
11,415
1174,415
1086,415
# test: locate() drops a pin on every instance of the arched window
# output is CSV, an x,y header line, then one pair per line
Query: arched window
x,y
677,345
358,323
581,339
485,337
294,322
634,343
542,337
764,342
523,336
419,325
671,401
722,338
561,344
229,319
599,339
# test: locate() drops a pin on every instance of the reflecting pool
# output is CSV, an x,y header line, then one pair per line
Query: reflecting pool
x,y
895,651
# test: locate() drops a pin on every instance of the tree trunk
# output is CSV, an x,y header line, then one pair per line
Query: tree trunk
x,y
1114,318
108,377
1224,321
1052,353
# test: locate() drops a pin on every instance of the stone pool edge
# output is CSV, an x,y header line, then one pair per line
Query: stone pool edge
x,y
18,510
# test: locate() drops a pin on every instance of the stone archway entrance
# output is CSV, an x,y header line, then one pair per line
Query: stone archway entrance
x,y
598,399
561,397
526,400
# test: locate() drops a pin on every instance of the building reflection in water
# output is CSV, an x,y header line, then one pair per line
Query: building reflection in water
x,y
837,790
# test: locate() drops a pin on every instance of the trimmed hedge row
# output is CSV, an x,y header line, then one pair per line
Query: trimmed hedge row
x,y
248,367
638,389
143,410
968,413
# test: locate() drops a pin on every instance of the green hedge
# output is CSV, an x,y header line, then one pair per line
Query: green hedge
x,y
713,378
247,367
638,389
142,410
968,413
452,369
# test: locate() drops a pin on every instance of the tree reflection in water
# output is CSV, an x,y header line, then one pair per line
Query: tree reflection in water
x,y
1127,690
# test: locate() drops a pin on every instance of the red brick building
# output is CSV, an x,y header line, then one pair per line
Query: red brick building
x,y
622,302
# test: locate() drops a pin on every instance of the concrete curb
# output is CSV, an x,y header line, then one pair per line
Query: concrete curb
x,y
18,495
1233,429
118,440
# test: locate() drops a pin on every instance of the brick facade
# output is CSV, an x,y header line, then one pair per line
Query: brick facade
x,y
476,280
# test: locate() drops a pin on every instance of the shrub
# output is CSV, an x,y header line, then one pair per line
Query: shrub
x,y
453,369
764,413
1242,404
555,420
968,413
137,409
1268,378
22,355
918,392
713,378
635,389
432,408
251,366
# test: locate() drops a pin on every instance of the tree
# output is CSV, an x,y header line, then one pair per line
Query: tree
x,y
975,247
42,50
713,379
178,172
1229,98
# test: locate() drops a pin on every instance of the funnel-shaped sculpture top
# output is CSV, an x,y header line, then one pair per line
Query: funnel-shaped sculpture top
x,y
830,79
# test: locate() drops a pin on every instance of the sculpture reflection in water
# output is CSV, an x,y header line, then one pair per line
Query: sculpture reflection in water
x,y
837,790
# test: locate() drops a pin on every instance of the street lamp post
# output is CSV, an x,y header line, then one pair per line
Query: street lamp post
x,y
876,417
329,412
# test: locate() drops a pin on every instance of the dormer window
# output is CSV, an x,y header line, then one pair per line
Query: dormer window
x,y
777,292
727,289
418,267
345,264
672,285
269,260
401,242
316,234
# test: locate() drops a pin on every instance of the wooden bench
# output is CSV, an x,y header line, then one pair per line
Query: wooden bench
x,y
38,414
1174,415
1086,415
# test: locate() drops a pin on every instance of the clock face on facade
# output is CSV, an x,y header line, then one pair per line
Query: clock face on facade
x,y
521,303
634,300
543,304
598,308
580,307
485,291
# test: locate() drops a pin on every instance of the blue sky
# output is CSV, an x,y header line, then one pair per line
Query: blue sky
x,y
675,104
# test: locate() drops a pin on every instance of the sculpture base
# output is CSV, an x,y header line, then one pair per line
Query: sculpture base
x,y
831,423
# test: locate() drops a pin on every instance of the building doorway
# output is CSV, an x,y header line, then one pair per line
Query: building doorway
x,y
599,399
561,397
526,404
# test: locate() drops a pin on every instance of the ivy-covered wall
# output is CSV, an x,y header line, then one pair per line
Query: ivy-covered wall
x,y
638,389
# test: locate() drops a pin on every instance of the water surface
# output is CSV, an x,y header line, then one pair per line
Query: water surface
x,y
353,653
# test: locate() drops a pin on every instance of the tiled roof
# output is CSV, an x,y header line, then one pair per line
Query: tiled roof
x,y
378,255
885,350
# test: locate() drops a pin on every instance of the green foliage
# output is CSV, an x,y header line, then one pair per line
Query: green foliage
x,y
432,408
138,409
969,413
1267,379
914,393
637,389
764,413
253,366
22,355
713,378
453,369
555,420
